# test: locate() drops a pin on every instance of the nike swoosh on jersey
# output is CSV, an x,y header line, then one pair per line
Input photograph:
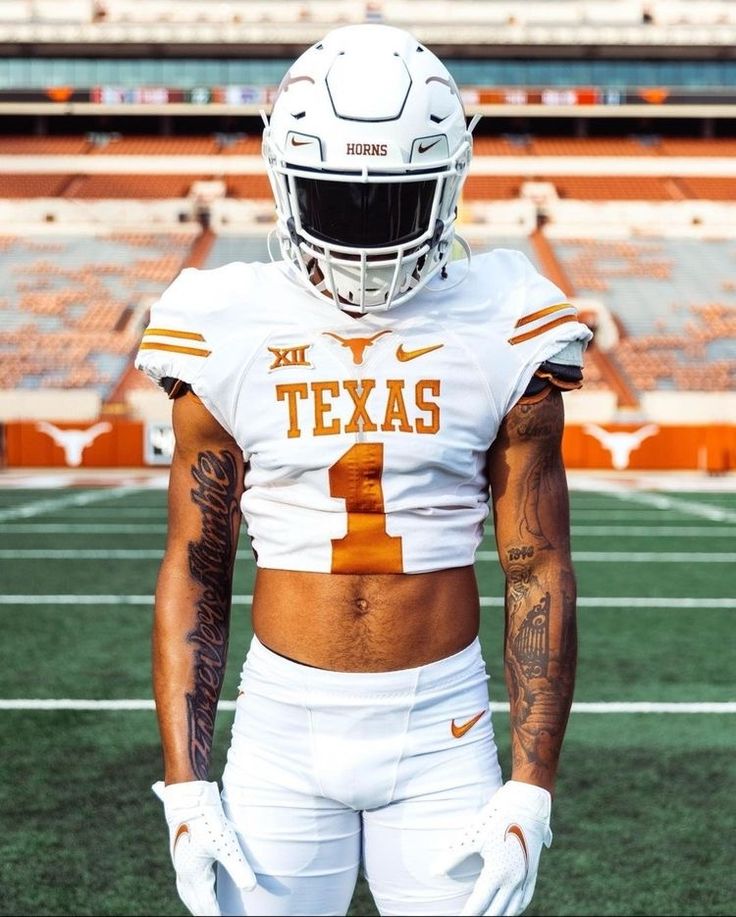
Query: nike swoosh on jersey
x,y
405,355
459,731
518,833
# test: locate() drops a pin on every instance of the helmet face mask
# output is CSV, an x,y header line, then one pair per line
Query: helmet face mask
x,y
366,177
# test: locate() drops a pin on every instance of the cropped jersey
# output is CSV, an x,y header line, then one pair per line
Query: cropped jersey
x,y
365,438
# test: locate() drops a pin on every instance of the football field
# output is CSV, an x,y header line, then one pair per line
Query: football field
x,y
644,818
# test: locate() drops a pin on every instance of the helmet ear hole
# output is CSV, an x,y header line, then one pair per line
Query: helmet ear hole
x,y
366,183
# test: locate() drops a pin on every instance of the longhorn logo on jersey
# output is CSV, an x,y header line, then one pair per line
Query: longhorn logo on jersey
x,y
357,345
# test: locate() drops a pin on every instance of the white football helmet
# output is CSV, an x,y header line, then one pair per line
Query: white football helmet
x,y
366,149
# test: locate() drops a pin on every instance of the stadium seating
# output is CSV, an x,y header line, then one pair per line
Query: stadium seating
x,y
20,185
131,186
591,146
675,301
156,146
710,188
614,187
66,303
492,187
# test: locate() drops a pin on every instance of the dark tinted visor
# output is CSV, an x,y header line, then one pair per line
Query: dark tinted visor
x,y
364,215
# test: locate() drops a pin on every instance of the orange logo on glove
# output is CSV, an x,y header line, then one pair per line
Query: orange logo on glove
x,y
519,835
180,832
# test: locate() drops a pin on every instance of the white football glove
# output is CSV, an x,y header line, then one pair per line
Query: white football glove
x,y
508,833
200,835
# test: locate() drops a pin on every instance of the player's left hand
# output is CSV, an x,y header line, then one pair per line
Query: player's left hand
x,y
200,835
508,833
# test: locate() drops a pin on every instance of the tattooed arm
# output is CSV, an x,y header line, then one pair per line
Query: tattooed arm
x,y
194,589
531,512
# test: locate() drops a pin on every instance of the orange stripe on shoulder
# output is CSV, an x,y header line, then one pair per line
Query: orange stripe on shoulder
x,y
171,333
520,338
174,348
526,319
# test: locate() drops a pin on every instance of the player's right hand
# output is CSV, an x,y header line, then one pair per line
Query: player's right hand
x,y
200,835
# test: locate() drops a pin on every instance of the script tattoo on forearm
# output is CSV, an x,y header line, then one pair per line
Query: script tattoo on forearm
x,y
211,560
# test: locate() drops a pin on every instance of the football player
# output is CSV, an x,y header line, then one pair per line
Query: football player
x,y
354,401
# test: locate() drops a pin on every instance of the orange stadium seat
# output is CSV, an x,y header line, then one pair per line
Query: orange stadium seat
x,y
492,187
21,185
499,146
607,188
590,146
686,146
256,187
66,315
158,146
714,189
42,146
132,186
243,146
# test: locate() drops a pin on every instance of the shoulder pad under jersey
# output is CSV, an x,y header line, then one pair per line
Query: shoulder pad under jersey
x,y
543,329
185,321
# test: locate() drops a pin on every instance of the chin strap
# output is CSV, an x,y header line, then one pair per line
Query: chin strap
x,y
444,286
269,238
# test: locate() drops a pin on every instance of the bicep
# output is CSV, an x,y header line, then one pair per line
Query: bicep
x,y
528,483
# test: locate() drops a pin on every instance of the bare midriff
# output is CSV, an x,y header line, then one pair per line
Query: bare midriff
x,y
366,622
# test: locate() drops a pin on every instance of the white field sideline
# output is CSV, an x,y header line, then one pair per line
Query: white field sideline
x,y
485,602
495,706
612,557
607,531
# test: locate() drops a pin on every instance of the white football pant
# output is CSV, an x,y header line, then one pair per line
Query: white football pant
x,y
330,769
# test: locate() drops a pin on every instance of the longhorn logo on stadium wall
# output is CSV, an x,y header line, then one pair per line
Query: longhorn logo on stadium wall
x,y
620,444
74,442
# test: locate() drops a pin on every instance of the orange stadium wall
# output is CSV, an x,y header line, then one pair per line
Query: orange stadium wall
x,y
116,443
120,443
707,448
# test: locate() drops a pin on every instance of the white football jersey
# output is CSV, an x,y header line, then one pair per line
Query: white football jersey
x,y
365,438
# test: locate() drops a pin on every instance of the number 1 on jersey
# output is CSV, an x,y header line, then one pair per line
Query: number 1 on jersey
x,y
367,547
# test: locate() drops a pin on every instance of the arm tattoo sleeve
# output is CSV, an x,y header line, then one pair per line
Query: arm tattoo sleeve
x,y
541,640
211,560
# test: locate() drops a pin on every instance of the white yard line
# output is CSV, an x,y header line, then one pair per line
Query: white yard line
x,y
82,528
495,706
613,557
686,507
581,481
133,528
636,557
486,601
105,514
40,507
596,514
83,554
655,531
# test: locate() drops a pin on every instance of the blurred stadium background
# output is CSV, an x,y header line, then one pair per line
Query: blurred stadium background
x,y
130,148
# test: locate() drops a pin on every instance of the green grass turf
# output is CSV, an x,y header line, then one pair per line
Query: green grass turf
x,y
103,651
643,809
95,576
644,805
